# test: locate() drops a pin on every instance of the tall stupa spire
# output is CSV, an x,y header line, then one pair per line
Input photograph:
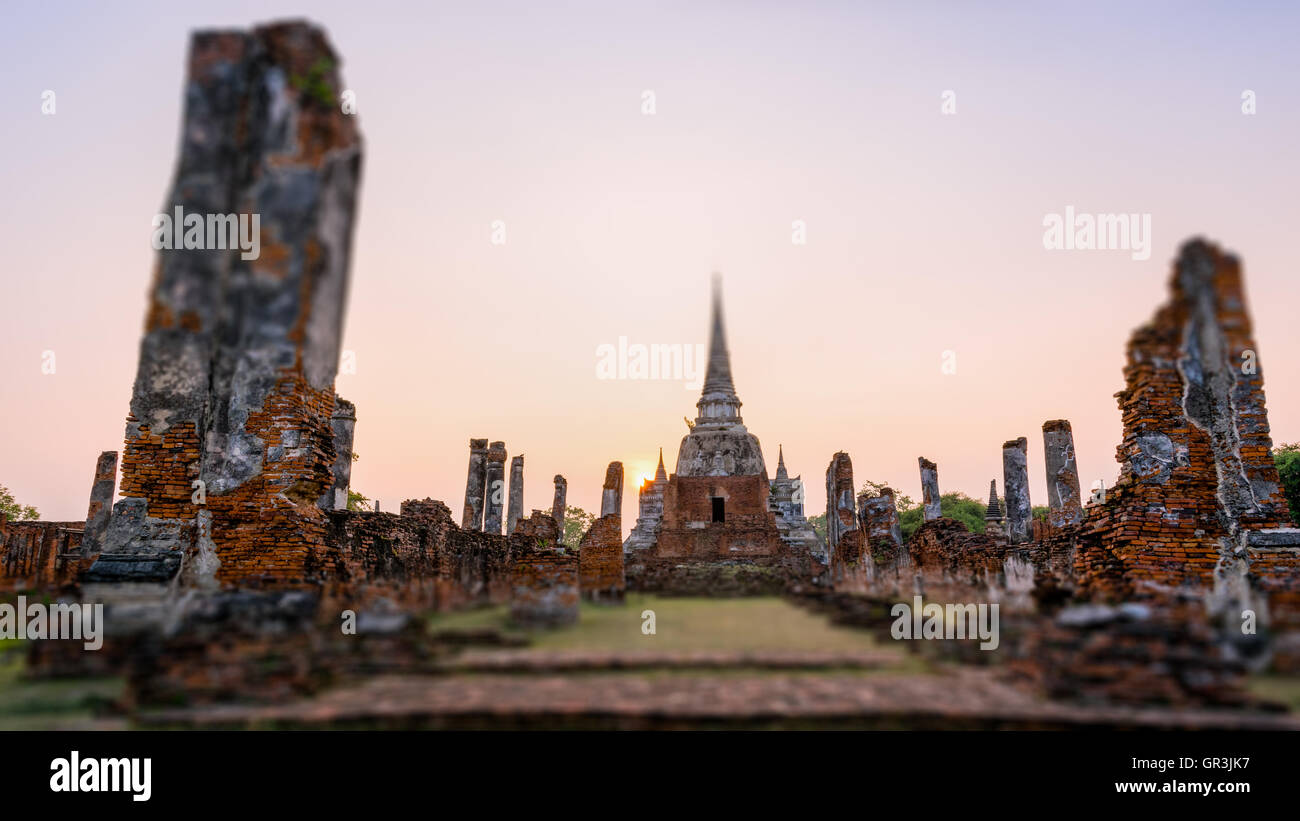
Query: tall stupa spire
x,y
781,474
661,475
718,379
718,402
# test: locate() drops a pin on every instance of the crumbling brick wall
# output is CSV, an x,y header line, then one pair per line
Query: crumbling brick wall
x,y
418,559
945,547
39,555
600,555
545,588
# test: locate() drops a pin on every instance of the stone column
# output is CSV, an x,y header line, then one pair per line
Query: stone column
x,y
841,517
1063,496
557,506
472,518
1015,483
495,487
343,422
930,489
101,503
611,498
516,507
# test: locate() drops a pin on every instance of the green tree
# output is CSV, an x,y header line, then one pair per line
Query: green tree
x,y
14,510
357,502
1287,459
576,524
818,523
901,500
959,506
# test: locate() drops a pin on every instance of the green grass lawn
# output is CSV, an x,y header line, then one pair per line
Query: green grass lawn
x,y
682,624
41,705
1278,688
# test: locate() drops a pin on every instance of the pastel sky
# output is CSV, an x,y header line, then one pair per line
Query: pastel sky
x,y
924,230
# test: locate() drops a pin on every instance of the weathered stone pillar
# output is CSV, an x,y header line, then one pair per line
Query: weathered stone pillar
x,y
475,482
101,503
849,567
235,381
1015,483
516,507
495,487
343,422
557,506
1064,499
611,498
930,489
600,556
840,514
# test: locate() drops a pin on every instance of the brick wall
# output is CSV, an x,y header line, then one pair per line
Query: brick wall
x,y
545,587
600,558
39,555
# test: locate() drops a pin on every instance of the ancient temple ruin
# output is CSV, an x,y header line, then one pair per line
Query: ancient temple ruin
x,y
719,503
234,523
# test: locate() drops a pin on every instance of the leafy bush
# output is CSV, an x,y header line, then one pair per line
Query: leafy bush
x,y
1287,459
959,506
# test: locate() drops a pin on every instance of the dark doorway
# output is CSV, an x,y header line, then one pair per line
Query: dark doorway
x,y
719,509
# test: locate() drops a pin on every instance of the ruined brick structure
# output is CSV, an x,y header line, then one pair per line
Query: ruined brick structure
x,y
879,516
850,563
38,555
545,585
235,384
238,456
601,552
1198,503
